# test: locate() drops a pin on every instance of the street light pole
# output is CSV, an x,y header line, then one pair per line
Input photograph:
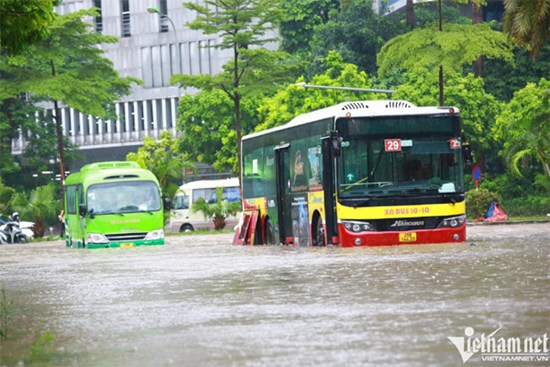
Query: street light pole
x,y
353,89
152,10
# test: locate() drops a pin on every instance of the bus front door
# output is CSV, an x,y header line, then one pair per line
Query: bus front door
x,y
284,199
330,146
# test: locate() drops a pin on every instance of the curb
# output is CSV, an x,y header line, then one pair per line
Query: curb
x,y
505,223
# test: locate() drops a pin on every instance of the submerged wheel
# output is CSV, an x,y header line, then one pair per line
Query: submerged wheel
x,y
319,234
186,228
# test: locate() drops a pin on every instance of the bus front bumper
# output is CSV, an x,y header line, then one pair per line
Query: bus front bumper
x,y
413,237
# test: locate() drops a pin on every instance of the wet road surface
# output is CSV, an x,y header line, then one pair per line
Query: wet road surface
x,y
198,301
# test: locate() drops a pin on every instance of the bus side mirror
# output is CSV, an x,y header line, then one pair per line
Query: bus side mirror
x,y
167,204
336,146
82,210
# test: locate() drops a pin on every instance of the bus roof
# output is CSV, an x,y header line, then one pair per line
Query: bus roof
x,y
360,109
106,171
204,184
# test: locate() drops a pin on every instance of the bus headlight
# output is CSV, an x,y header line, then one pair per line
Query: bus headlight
x,y
96,238
452,222
357,227
155,235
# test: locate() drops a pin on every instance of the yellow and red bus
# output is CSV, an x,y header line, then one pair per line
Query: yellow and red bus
x,y
364,173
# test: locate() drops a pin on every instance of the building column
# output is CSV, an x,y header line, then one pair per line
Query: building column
x,y
91,129
72,139
174,110
127,121
118,124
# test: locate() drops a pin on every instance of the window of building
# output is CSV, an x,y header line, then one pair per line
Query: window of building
x,y
125,15
99,17
164,16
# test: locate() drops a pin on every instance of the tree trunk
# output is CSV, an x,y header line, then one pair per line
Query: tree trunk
x,y
410,14
59,133
477,18
237,106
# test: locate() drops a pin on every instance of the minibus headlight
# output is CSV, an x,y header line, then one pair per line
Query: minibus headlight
x,y
452,222
357,227
155,235
96,238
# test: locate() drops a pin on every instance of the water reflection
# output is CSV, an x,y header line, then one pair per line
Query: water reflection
x,y
201,301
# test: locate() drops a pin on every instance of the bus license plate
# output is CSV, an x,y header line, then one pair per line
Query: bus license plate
x,y
127,244
407,237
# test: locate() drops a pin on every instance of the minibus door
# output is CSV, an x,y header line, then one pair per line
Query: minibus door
x,y
284,199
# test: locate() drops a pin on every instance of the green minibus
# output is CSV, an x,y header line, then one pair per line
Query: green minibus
x,y
113,204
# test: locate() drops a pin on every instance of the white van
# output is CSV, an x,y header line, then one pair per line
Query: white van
x,y
181,218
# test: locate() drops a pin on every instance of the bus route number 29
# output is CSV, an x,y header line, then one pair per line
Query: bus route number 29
x,y
392,145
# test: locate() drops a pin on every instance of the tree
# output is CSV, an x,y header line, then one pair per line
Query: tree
x,y
40,205
523,127
68,67
295,100
218,211
352,32
243,27
451,49
528,22
299,21
24,22
159,158
478,109
207,122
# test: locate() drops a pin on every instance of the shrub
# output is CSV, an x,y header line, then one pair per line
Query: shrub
x,y
527,206
478,202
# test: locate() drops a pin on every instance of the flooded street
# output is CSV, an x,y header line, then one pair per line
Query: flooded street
x,y
199,301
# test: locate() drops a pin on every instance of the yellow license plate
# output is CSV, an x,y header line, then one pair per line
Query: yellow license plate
x,y
407,237
127,245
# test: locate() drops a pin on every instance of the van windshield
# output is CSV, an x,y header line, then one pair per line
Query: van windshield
x,y
123,197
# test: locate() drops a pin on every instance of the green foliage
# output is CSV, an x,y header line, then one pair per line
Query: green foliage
x,y
457,45
295,99
7,309
503,79
528,23
478,202
41,205
218,211
207,122
6,193
523,127
478,108
42,349
159,158
532,205
24,23
299,21
353,33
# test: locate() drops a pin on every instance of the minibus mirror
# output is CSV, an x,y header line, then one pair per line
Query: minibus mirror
x,y
167,203
82,210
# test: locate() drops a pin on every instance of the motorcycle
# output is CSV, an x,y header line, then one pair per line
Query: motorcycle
x,y
11,231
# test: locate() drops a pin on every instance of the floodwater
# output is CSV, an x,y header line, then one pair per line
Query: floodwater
x,y
199,301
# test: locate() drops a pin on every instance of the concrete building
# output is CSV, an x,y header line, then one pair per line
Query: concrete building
x,y
152,48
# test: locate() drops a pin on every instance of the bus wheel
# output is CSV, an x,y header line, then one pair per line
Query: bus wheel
x,y
319,234
186,228
269,233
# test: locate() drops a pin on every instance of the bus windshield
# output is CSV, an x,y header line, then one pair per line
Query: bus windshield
x,y
123,197
400,156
